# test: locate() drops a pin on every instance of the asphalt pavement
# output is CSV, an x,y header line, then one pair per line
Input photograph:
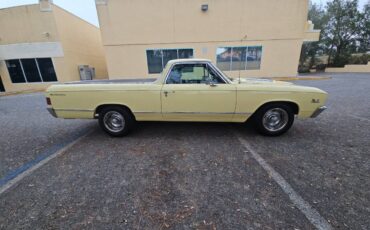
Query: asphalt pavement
x,y
189,175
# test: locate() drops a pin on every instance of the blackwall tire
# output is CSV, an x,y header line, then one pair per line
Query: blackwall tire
x,y
116,121
274,119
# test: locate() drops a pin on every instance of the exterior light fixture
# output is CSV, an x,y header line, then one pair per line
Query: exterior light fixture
x,y
205,7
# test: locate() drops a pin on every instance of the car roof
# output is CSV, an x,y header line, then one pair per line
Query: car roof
x,y
188,60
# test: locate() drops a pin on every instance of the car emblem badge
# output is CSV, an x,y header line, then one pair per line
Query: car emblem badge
x,y
315,101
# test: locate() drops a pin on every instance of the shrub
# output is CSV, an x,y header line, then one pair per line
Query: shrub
x,y
359,59
321,67
303,69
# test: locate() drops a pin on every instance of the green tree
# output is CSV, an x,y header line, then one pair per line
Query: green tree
x,y
365,30
343,31
317,15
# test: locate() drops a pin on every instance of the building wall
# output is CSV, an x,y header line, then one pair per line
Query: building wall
x,y
129,27
25,24
82,45
131,61
80,42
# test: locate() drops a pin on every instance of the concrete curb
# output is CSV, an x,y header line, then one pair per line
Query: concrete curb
x,y
4,94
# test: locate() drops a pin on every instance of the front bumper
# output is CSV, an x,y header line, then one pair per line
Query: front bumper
x,y
318,111
52,112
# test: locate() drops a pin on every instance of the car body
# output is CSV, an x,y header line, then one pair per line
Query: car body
x,y
188,90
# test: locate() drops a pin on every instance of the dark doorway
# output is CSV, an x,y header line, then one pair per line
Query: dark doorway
x,y
2,89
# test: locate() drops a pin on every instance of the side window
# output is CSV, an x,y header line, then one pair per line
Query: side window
x,y
214,77
193,74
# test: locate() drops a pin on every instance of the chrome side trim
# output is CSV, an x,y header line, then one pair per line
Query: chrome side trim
x,y
146,112
201,113
75,110
52,112
318,111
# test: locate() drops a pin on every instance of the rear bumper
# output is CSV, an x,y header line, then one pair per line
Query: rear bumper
x,y
52,112
318,111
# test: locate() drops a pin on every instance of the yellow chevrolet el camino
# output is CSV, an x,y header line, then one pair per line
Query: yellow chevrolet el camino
x,y
188,90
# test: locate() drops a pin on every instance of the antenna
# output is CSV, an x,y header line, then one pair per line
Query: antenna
x,y
240,63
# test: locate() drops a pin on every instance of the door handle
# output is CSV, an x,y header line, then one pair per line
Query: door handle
x,y
167,92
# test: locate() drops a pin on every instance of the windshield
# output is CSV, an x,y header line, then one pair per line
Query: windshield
x,y
223,74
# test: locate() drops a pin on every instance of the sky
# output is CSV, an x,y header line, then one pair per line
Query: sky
x,y
86,9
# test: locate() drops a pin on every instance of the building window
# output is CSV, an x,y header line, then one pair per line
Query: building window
x,y
157,59
239,58
31,70
47,69
15,71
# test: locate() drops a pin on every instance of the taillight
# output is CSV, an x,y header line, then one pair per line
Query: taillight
x,y
48,101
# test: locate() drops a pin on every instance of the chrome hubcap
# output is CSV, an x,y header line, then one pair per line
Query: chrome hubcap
x,y
275,119
114,121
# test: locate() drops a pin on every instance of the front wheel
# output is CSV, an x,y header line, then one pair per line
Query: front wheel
x,y
274,119
115,121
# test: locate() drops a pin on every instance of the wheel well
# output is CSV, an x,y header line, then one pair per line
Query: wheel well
x,y
292,105
101,107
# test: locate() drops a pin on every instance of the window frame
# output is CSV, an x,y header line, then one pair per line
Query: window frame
x,y
162,57
38,69
246,57
209,66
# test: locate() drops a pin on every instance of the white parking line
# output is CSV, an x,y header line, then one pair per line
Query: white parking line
x,y
21,176
358,117
311,214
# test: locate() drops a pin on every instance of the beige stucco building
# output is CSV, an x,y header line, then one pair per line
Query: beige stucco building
x,y
247,37
42,44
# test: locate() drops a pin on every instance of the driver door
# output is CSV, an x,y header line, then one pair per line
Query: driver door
x,y
194,92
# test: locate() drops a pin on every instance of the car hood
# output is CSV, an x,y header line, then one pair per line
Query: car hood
x,y
272,85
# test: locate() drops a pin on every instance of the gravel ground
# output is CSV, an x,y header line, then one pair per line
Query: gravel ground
x,y
197,176
28,130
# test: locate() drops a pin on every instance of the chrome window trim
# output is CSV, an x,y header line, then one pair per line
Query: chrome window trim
x,y
219,72
209,64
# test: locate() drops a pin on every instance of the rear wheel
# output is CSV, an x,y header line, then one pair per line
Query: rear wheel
x,y
274,119
116,121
